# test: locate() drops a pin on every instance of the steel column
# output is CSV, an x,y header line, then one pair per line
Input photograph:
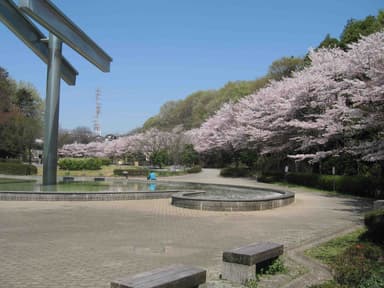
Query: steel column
x,y
52,102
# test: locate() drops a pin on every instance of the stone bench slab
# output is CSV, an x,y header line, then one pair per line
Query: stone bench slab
x,y
173,276
254,253
67,179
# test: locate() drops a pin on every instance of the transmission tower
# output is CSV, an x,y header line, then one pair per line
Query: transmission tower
x,y
96,122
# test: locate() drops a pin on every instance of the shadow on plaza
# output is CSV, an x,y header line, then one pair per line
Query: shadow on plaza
x,y
353,204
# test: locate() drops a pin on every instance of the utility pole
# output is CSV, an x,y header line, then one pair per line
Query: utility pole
x,y
96,122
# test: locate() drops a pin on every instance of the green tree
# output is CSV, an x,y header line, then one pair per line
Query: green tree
x,y
197,107
159,158
329,42
7,89
356,28
249,157
189,156
27,101
284,67
29,120
20,117
380,18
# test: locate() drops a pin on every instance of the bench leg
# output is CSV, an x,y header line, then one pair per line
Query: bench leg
x,y
238,273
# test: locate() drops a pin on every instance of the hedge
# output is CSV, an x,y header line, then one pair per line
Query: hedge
x,y
194,169
374,221
234,172
353,185
270,177
105,161
11,168
131,172
145,172
80,163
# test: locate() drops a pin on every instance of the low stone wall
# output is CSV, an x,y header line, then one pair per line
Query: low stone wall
x,y
102,196
180,197
182,200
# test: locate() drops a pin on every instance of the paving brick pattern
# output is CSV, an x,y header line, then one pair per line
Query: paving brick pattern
x,y
88,244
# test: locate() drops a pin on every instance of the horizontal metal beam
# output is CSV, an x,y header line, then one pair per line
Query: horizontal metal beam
x,y
27,32
49,16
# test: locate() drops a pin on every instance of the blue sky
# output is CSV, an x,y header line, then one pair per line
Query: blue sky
x,y
166,49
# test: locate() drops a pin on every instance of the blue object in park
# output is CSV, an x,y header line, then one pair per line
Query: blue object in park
x,y
152,176
152,187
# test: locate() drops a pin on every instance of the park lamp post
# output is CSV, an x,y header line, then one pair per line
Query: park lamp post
x,y
61,30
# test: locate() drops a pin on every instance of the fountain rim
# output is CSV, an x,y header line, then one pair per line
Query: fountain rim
x,y
282,195
138,195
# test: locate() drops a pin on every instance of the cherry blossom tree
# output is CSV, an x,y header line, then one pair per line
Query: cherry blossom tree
x,y
333,106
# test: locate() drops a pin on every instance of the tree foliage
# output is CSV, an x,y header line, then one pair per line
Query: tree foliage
x,y
354,30
329,42
333,106
158,147
192,111
7,88
159,158
20,117
189,155
81,134
328,104
197,107
284,67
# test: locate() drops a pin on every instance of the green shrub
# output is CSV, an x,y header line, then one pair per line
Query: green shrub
x,y
164,173
194,169
270,177
235,172
374,221
357,264
353,185
275,267
12,168
306,179
326,182
80,163
131,172
105,161
375,280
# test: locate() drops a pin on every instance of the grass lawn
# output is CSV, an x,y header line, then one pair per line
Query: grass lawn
x,y
328,251
355,259
106,171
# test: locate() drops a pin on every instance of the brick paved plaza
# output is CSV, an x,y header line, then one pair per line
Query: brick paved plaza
x,y
88,244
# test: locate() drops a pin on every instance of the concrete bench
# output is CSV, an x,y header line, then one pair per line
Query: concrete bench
x,y
239,264
67,179
178,275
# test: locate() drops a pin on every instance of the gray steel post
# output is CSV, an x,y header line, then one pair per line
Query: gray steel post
x,y
52,111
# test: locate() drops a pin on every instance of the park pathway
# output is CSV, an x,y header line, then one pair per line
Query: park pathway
x,y
88,244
